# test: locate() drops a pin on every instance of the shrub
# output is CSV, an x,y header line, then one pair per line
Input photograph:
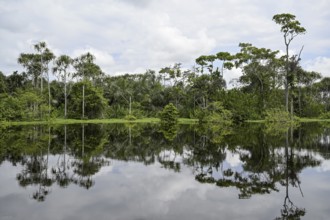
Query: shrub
x,y
277,115
169,115
215,113
325,115
130,118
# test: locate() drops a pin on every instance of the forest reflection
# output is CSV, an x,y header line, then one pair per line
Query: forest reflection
x,y
267,158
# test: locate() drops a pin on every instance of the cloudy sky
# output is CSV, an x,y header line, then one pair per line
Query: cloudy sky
x,y
135,35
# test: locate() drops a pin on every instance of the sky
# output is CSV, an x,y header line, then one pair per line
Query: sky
x,y
131,36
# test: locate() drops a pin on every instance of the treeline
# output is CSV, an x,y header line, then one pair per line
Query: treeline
x,y
269,83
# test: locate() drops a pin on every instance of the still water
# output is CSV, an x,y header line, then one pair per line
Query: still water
x,y
144,172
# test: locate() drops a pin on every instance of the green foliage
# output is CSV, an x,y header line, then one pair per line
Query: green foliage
x,y
116,111
130,118
199,92
215,113
169,131
312,108
95,104
169,115
243,106
277,115
289,25
325,115
3,84
10,108
137,110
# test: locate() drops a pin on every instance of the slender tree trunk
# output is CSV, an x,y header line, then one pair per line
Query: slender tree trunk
x,y
287,78
291,116
130,105
65,146
130,135
65,96
83,102
49,96
299,100
83,141
287,162
41,74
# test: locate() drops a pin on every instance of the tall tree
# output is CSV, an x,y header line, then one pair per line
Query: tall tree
x,y
32,65
36,64
258,70
87,70
46,56
62,64
290,28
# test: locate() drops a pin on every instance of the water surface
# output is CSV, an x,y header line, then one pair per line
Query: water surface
x,y
100,172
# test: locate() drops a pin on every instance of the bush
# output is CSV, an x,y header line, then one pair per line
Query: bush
x,y
130,118
215,113
278,115
325,115
169,115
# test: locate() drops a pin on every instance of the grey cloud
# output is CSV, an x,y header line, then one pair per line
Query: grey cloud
x,y
140,3
138,35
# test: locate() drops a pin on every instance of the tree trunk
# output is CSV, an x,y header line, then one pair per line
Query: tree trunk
x,y
49,96
286,78
65,96
291,115
299,100
83,102
130,105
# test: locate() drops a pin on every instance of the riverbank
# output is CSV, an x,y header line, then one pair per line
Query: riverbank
x,y
95,121
60,121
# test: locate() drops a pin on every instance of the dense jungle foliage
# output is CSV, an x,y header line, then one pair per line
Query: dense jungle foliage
x,y
65,87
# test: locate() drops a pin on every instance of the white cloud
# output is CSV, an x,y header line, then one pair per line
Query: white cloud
x,y
102,58
233,159
319,64
130,36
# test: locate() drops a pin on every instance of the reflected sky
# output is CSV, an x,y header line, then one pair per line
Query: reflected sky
x,y
125,189
134,191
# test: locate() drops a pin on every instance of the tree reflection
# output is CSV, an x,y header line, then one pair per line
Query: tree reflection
x,y
268,157
264,164
32,147
35,167
89,160
61,170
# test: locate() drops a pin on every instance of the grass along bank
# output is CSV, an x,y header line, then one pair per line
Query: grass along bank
x,y
60,121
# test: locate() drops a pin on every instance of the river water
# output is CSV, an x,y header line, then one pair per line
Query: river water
x,y
120,172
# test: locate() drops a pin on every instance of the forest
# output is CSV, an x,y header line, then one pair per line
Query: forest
x,y
272,86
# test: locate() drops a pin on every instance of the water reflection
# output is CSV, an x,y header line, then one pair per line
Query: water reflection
x,y
254,159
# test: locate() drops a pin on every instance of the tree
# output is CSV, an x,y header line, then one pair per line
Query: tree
x,y
62,64
290,28
323,88
3,84
94,102
17,81
87,70
226,59
304,80
33,66
37,64
10,108
46,56
260,67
